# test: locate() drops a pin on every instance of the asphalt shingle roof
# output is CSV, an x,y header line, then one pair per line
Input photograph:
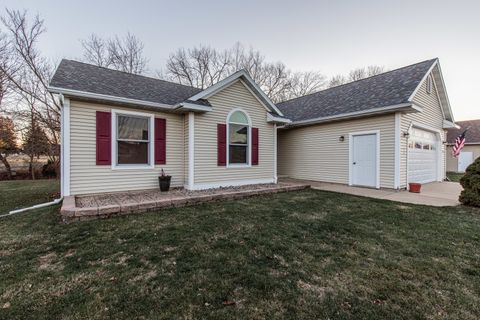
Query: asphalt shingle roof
x,y
81,76
386,89
472,135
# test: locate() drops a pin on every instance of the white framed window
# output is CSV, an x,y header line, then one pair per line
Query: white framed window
x,y
132,140
429,84
238,139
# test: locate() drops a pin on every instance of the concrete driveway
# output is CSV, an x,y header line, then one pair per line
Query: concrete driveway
x,y
432,194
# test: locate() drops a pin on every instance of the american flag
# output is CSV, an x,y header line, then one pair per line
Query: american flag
x,y
459,143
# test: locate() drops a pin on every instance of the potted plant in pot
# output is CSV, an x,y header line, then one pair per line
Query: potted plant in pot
x,y
414,187
164,181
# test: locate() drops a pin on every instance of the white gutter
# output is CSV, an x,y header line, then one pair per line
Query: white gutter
x,y
98,96
185,106
273,119
37,206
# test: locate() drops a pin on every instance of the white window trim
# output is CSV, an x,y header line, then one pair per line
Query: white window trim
x,y
151,134
249,137
350,155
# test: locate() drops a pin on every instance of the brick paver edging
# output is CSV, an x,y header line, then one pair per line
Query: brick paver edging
x,y
70,213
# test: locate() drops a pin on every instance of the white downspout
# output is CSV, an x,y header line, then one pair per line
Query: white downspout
x,y
37,206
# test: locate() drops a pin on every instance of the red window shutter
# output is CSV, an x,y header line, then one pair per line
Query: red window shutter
x,y
254,146
104,138
160,141
221,144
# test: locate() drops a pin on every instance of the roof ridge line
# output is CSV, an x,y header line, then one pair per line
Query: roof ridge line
x,y
132,74
348,83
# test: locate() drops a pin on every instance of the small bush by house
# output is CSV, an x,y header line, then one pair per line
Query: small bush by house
x,y
471,185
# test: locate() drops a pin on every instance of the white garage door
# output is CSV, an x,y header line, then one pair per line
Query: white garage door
x,y
422,156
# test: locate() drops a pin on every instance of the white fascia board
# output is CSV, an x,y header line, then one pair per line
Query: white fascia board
x,y
205,94
406,107
187,107
444,89
272,119
448,108
104,97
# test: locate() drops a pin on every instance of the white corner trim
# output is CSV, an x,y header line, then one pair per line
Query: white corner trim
x,y
191,150
275,176
231,183
396,183
98,96
350,155
249,137
65,152
151,144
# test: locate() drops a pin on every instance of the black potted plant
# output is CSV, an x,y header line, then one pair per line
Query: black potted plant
x,y
164,181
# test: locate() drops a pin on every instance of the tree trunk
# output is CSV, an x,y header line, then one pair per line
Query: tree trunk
x,y
32,170
7,166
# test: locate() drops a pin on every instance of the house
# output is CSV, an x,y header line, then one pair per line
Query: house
x,y
470,151
119,130
383,131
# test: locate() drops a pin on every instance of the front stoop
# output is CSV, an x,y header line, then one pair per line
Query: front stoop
x,y
128,204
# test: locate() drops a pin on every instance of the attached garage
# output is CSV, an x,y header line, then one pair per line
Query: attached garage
x,y
380,132
423,156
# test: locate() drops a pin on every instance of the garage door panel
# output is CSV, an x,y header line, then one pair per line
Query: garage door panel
x,y
422,156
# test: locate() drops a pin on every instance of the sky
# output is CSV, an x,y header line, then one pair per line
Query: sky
x,y
332,37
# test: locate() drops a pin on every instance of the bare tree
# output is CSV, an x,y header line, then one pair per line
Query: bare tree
x,y
373,70
95,51
303,83
356,74
28,73
8,142
337,80
124,54
203,66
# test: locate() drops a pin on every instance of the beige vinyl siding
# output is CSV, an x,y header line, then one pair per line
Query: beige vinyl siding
x,y
206,170
315,152
87,177
431,116
452,162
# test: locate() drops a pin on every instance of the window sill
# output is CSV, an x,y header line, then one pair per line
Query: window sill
x,y
238,166
133,167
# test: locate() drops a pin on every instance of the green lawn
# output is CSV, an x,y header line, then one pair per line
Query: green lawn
x,y
307,254
455,176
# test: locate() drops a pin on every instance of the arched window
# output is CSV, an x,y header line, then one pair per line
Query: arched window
x,y
429,84
238,138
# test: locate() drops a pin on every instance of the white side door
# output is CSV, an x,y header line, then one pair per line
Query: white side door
x,y
464,160
364,160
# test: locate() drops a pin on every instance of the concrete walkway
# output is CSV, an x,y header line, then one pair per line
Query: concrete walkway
x,y
437,194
